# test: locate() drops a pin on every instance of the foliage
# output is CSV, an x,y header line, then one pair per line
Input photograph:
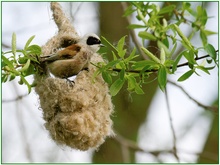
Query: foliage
x,y
160,25
168,35
20,63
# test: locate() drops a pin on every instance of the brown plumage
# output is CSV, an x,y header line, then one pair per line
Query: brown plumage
x,y
74,58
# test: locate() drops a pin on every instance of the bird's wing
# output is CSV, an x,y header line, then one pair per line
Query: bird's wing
x,y
67,53
51,57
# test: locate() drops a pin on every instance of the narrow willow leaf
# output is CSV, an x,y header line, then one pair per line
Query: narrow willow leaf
x,y
162,77
146,35
203,37
186,75
138,89
26,83
149,54
105,40
26,66
122,74
28,42
6,62
116,87
128,11
189,55
121,44
211,51
167,9
208,32
131,82
13,44
135,26
107,77
131,56
34,49
162,55
183,37
203,69
161,45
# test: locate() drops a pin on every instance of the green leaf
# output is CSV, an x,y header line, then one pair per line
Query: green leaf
x,y
189,55
34,49
203,69
167,9
208,32
162,77
202,15
149,54
5,61
112,63
135,26
121,44
108,43
107,77
162,56
145,63
128,11
211,51
186,75
28,42
146,35
203,37
138,89
161,45
131,82
4,78
26,66
26,83
116,86
122,74
132,55
13,44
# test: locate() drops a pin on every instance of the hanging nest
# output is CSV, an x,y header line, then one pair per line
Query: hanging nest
x,y
76,115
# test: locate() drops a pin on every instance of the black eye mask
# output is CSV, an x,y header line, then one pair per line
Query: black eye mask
x,y
93,41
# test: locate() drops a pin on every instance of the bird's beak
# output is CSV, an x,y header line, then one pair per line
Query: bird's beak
x,y
101,45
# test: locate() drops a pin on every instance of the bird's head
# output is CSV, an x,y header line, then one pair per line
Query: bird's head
x,y
93,41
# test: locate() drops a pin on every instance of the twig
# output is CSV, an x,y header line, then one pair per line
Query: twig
x,y
15,99
212,108
134,146
172,127
155,70
23,131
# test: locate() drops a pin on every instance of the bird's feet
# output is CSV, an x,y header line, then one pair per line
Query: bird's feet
x,y
87,69
70,82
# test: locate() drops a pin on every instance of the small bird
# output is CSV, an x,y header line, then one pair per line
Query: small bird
x,y
74,58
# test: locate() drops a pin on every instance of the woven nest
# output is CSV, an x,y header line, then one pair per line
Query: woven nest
x,y
76,115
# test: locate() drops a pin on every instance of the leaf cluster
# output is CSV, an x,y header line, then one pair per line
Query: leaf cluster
x,y
20,63
160,25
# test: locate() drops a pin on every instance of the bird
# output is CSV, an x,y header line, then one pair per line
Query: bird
x,y
74,58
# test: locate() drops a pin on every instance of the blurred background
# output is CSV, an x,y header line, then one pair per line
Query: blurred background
x,y
140,121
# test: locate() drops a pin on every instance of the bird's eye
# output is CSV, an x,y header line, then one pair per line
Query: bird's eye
x,y
93,41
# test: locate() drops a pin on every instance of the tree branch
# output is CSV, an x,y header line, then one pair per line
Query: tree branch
x,y
211,108
15,99
172,127
129,144
155,70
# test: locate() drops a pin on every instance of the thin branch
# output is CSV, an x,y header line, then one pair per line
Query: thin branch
x,y
14,99
211,108
172,127
154,70
21,125
134,146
